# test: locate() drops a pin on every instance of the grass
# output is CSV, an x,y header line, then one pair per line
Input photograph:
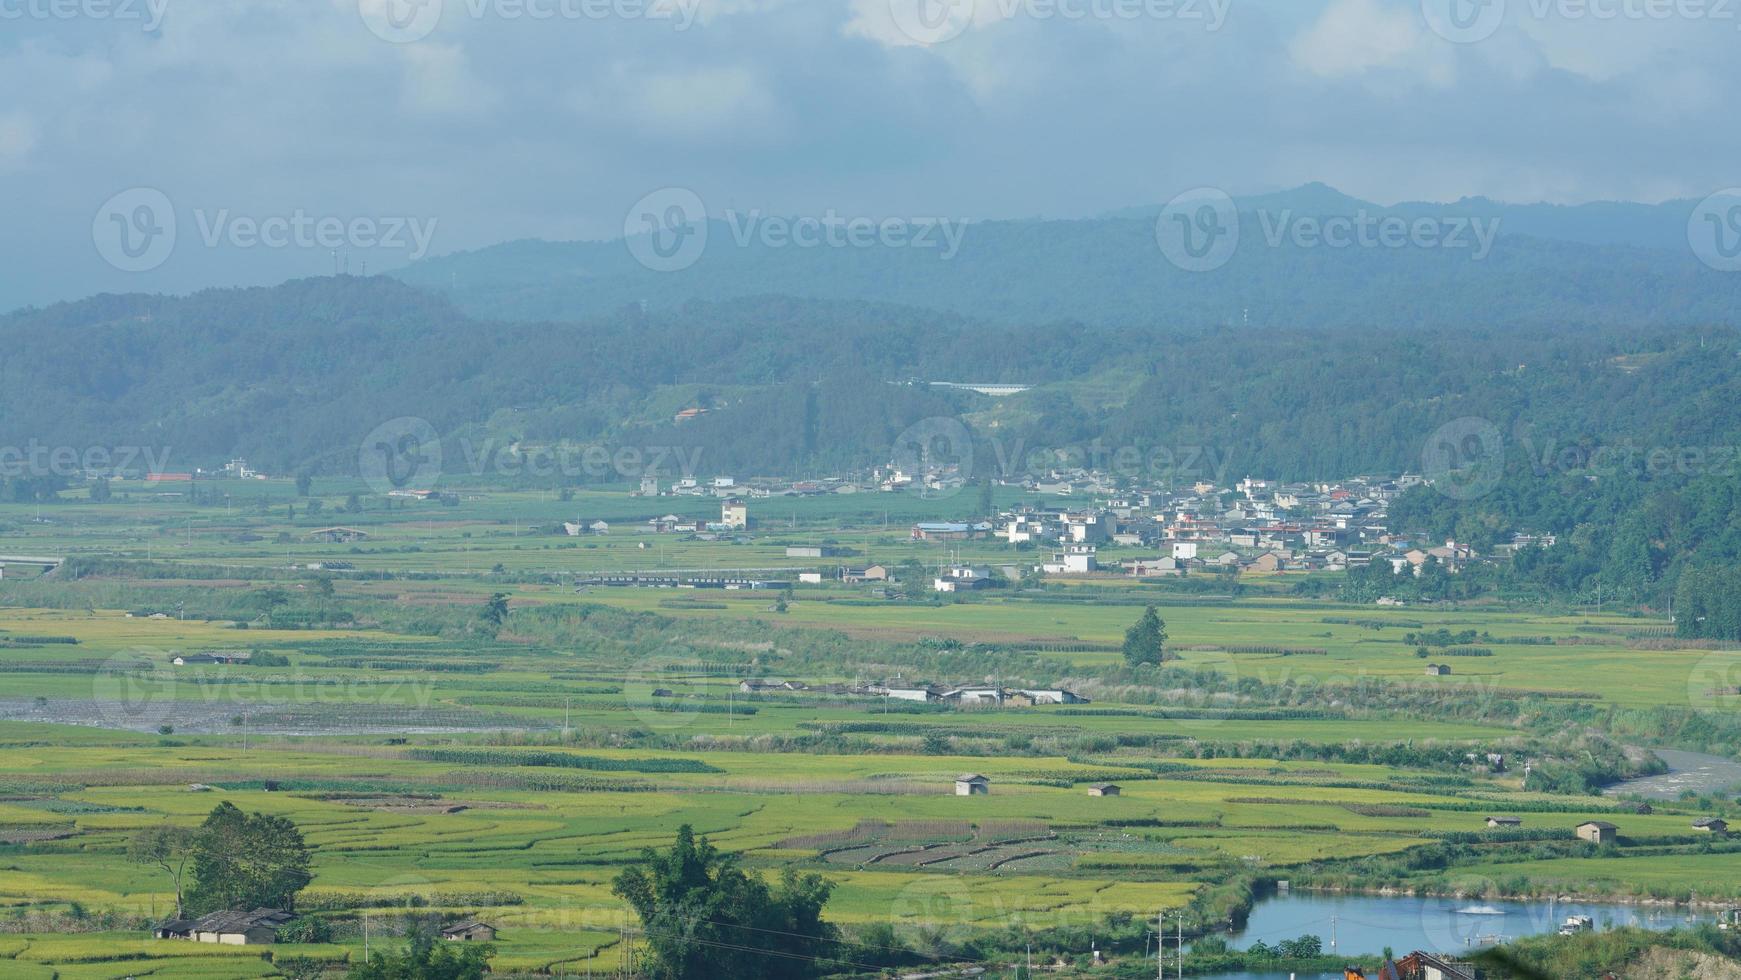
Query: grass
x,y
315,728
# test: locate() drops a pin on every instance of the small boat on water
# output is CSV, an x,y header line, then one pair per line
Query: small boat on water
x,y
1575,924
1480,910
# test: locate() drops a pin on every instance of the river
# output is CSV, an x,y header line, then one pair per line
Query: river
x,y
1694,771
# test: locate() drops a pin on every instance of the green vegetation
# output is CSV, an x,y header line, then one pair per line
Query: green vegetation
x,y
452,730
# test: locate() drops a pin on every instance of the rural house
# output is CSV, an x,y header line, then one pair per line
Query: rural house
x,y
1103,789
256,928
972,784
1711,825
1498,823
1597,831
468,931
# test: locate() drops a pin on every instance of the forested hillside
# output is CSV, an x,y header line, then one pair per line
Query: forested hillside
x,y
293,376
1604,264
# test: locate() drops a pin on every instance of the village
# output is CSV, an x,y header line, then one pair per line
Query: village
x,y
1254,526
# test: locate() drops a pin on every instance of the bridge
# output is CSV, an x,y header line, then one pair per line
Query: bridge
x,y
46,564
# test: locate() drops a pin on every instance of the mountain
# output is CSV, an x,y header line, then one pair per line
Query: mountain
x,y
1608,264
294,377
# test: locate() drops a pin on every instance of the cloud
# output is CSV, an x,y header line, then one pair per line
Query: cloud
x,y
798,106
1353,37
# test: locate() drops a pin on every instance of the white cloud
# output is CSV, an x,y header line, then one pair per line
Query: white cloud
x,y
682,103
1353,37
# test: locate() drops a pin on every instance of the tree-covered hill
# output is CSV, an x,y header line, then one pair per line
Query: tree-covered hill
x,y
1604,264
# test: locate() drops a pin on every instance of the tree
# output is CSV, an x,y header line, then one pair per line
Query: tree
x,y
987,507
425,959
304,482
1146,641
703,916
168,848
247,861
495,611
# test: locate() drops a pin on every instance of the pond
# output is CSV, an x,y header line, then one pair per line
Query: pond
x,y
1364,925
1696,771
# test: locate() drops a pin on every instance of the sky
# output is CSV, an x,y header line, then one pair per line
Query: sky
x,y
169,145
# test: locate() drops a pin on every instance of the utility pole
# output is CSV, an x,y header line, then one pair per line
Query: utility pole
x,y
1332,934
1160,946
1181,927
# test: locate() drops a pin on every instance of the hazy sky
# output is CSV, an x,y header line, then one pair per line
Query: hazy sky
x,y
453,124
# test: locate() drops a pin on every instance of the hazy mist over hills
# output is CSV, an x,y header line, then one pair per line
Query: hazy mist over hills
x,y
1473,261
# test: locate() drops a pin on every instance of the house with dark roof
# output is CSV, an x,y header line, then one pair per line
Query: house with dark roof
x,y
469,931
232,928
1598,831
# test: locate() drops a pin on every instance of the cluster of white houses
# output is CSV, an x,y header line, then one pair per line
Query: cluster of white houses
x,y
982,696
1258,526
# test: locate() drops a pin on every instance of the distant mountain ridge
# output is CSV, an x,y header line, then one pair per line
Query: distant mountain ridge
x,y
1608,264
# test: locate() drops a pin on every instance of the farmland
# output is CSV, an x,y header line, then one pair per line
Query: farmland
x,y
443,769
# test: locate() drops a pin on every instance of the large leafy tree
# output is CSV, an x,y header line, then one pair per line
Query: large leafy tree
x,y
246,861
704,916
1146,640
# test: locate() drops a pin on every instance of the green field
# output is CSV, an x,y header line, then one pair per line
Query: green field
x,y
444,771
